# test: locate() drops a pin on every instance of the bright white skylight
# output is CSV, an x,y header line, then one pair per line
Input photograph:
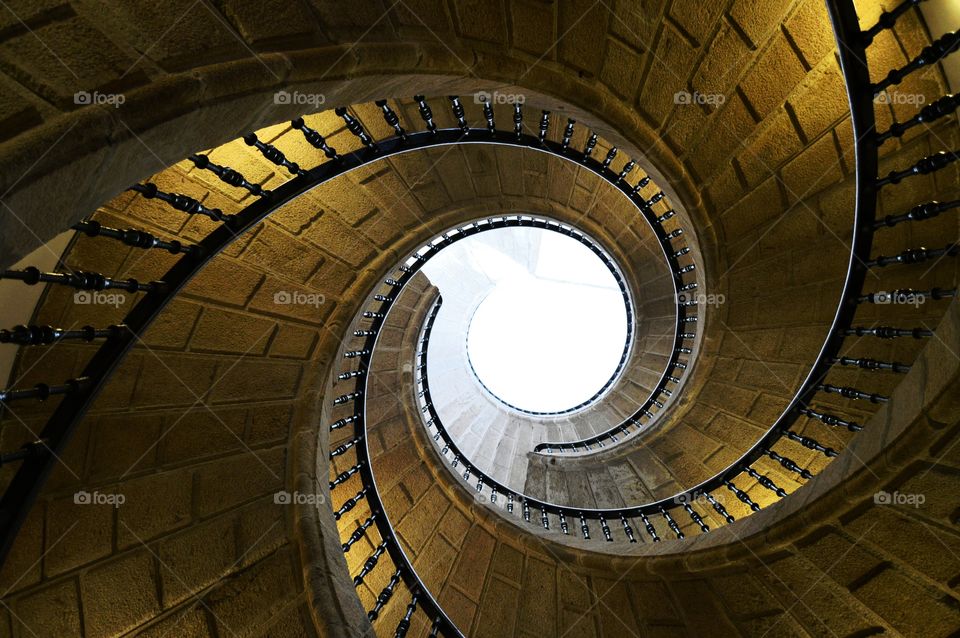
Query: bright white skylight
x,y
551,330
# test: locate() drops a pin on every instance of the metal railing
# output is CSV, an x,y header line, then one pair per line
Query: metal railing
x,y
37,458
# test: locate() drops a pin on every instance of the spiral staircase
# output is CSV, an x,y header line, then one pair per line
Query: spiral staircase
x,y
241,401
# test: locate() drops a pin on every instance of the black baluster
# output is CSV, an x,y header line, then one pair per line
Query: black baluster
x,y
672,523
584,529
611,154
544,125
931,112
227,175
356,128
353,354
907,295
695,517
404,625
33,449
518,119
591,144
650,528
915,255
767,482
342,477
742,496
934,52
385,595
925,166
45,335
625,170
640,184
273,154
315,139
81,280
563,523
488,116
887,332
789,464
458,113
493,494
43,391
887,20
852,393
370,563
342,449
135,238
392,119
567,134
358,533
921,212
810,444
425,113
544,519
871,364
180,202
510,502
667,215
606,529
831,420
627,529
526,511
350,503
346,398
339,423
720,509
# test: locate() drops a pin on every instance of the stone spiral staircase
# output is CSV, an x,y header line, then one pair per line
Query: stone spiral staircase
x,y
220,420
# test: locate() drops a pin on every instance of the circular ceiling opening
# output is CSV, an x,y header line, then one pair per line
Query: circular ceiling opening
x,y
552,332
